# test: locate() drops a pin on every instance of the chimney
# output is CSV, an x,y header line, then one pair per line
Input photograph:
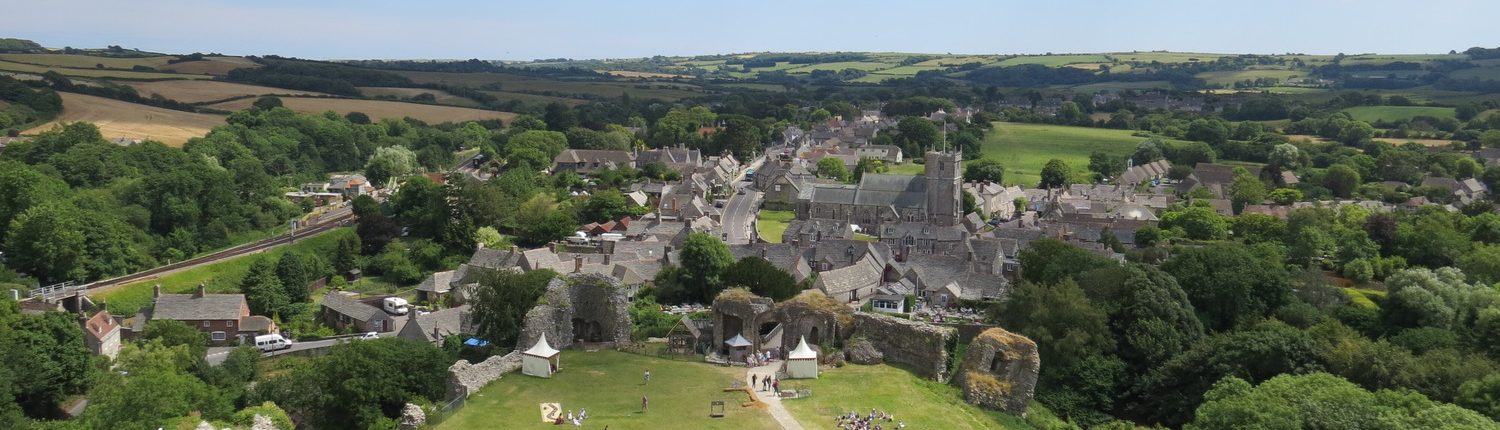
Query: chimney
x,y
577,263
514,249
201,290
607,258
156,291
411,316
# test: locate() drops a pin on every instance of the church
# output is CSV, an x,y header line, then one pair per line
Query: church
x,y
933,198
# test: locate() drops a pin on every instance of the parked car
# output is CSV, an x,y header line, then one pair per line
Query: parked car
x,y
369,336
271,342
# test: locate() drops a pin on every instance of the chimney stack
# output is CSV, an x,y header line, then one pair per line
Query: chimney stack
x,y
156,291
607,258
201,291
577,263
514,249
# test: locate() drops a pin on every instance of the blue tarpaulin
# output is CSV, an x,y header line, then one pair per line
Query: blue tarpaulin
x,y
474,341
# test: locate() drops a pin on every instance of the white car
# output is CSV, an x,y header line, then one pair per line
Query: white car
x,y
369,336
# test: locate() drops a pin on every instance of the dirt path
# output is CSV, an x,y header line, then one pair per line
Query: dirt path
x,y
772,402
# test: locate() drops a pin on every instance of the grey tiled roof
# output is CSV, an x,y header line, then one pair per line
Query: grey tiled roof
x,y
348,306
490,258
438,282
446,322
843,280
193,307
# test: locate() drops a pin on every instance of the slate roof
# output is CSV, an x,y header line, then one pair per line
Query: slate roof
x,y
438,282
863,274
594,155
834,193
446,322
784,256
348,306
1140,173
256,323
490,258
919,230
670,156
192,307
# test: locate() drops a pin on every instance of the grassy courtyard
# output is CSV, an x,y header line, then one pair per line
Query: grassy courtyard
x,y
608,384
922,404
772,224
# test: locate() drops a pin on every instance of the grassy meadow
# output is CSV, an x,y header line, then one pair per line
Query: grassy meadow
x,y
608,384
1053,60
922,404
1392,113
1229,77
771,224
1024,148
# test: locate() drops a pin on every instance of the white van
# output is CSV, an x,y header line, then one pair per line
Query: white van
x,y
394,305
271,342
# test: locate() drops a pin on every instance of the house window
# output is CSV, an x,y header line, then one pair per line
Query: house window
x,y
778,187
229,323
205,323
219,336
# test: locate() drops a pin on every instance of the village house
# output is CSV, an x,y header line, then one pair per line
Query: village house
x,y
587,161
344,313
101,332
222,316
890,154
434,327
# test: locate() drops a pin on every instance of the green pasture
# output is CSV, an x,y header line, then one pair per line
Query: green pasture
x,y
1393,113
920,403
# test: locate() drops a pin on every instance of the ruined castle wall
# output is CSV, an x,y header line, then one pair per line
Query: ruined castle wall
x,y
1000,371
920,345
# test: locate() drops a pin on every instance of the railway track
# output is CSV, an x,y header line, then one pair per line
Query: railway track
x,y
237,251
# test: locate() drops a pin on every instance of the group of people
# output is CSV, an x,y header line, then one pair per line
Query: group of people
x,y
765,383
758,358
875,420
575,419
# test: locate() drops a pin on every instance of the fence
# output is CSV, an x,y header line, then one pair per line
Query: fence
x,y
447,409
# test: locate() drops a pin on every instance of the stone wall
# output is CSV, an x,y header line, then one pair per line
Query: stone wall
x,y
921,345
597,301
465,378
1000,371
811,314
738,305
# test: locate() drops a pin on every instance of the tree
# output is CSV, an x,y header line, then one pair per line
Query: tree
x,y
1212,132
1049,261
1169,393
740,135
267,102
867,165
490,238
543,146
917,135
1285,196
1154,320
1341,179
1284,156
1228,285
1321,400
174,333
604,206
1246,189
263,291
704,259
1056,174
1481,395
116,401
1073,336
502,299
295,272
346,253
540,221
833,168
1147,151
1490,139
1356,132
390,162
47,241
44,358
1106,165
361,384
1196,222
984,170
762,278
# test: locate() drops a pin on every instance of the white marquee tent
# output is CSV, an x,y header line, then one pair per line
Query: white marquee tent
x,y
541,360
802,362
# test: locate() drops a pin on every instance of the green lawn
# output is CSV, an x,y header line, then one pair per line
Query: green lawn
x,y
1166,57
1024,148
608,384
1392,113
859,65
771,224
223,276
922,404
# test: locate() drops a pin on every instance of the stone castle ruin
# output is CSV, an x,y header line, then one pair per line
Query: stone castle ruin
x,y
925,347
1000,371
768,325
581,308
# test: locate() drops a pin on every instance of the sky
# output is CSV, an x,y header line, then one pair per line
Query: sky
x,y
506,30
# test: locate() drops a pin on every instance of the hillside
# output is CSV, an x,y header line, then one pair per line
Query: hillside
x,y
378,109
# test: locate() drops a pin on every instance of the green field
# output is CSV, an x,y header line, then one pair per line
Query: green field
x,y
1392,113
954,61
1490,72
771,224
906,70
920,403
1053,60
1024,148
94,73
1229,77
558,87
220,277
1391,58
608,384
858,65
1165,57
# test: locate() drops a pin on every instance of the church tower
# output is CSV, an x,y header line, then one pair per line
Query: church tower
x,y
944,185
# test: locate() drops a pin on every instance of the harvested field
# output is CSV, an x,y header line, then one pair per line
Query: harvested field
x,y
443,97
129,120
207,91
378,109
86,61
217,66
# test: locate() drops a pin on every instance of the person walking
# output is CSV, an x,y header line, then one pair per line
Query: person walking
x,y
776,387
754,380
647,377
643,404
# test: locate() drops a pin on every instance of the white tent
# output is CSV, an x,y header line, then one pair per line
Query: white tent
x,y
541,360
802,362
738,347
